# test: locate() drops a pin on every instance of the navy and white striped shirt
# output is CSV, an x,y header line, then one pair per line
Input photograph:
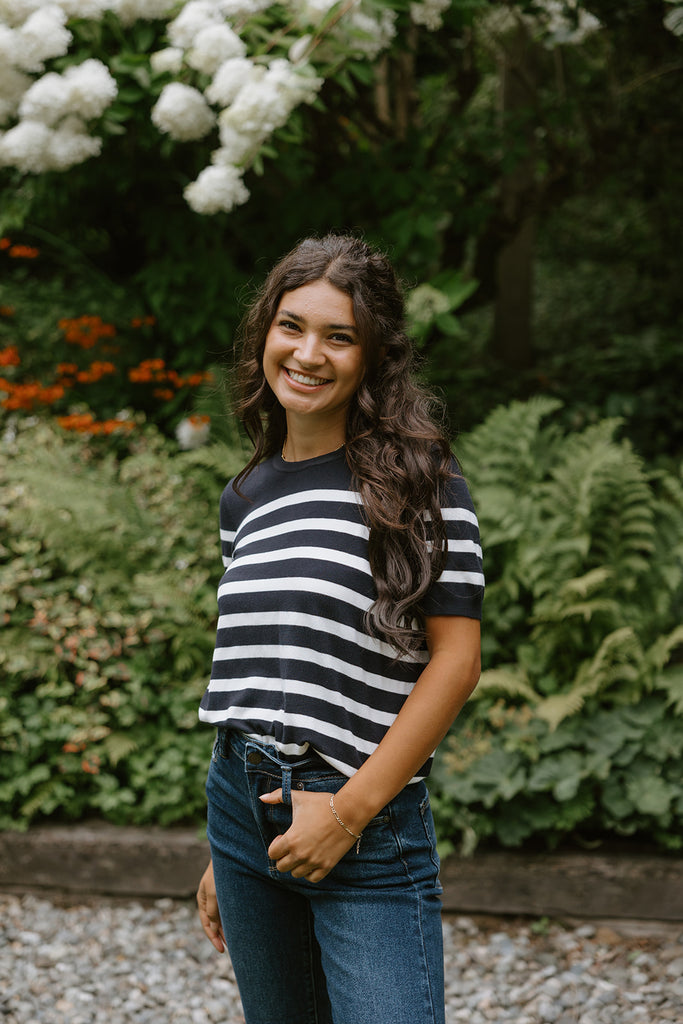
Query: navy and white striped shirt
x,y
293,662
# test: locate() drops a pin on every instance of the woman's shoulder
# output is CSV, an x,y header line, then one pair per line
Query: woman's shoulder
x,y
455,492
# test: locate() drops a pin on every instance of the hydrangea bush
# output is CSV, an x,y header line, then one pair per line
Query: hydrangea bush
x,y
233,70
227,75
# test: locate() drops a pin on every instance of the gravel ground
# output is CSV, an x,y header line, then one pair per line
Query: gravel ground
x,y
129,963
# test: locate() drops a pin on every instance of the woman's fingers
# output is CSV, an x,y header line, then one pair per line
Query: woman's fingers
x,y
272,798
207,905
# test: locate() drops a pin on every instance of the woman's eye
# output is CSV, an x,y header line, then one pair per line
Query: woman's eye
x,y
346,338
289,325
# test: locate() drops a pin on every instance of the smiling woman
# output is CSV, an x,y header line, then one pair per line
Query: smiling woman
x,y
347,641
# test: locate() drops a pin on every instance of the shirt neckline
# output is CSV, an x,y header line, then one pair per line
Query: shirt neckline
x,y
294,467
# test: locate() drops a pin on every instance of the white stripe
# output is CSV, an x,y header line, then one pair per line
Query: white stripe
x,y
265,684
318,495
317,554
462,514
294,525
327,627
288,583
227,535
476,579
320,659
227,562
289,720
464,547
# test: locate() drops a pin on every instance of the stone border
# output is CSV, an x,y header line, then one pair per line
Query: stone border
x,y
105,860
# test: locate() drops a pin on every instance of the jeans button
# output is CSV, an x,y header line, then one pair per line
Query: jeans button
x,y
253,757
299,785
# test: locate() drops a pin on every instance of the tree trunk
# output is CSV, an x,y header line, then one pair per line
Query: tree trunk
x,y
512,340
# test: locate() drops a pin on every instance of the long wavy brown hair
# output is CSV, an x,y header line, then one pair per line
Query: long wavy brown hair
x,y
396,443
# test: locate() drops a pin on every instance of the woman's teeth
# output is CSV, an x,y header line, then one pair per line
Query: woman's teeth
x,y
301,378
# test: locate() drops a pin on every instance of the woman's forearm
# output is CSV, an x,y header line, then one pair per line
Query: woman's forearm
x,y
442,689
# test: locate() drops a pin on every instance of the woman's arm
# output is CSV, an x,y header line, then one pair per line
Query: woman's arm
x,y
315,841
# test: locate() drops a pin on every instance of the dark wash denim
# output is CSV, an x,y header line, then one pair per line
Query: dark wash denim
x,y
364,945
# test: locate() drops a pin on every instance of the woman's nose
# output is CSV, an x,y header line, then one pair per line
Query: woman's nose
x,y
309,350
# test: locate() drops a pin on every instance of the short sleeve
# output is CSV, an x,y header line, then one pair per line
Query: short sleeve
x,y
227,523
459,589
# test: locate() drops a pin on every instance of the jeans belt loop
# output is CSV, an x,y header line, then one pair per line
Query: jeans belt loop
x,y
286,785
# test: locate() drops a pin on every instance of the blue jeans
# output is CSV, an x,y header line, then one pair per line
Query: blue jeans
x,y
364,945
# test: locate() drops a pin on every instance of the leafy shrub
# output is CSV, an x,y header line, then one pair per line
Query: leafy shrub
x,y
577,724
108,597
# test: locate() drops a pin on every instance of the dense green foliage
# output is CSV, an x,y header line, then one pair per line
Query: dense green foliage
x,y
109,568
577,722
108,594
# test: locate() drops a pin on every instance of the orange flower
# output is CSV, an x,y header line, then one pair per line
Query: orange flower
x,y
73,748
85,423
80,422
86,330
92,767
10,356
5,243
163,394
67,368
143,321
7,310
23,252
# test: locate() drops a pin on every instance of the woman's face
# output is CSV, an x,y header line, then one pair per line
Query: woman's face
x,y
313,358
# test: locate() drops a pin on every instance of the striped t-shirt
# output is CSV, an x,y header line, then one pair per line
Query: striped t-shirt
x,y
293,661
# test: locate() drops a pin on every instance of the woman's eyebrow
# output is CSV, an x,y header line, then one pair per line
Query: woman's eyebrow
x,y
332,327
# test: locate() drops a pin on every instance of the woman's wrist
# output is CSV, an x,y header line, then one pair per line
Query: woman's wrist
x,y
354,808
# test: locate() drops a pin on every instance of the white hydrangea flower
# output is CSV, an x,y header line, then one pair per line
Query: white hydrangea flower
x,y
195,16
260,106
170,59
15,12
8,46
218,188
212,46
41,37
47,100
375,36
300,84
429,13
129,11
70,144
242,8
25,147
228,80
91,88
85,8
182,112
13,85
85,89
236,147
